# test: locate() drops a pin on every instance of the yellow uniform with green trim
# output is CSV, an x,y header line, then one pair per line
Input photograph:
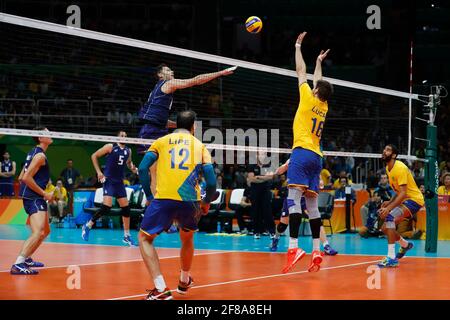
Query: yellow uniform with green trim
x,y
309,120
180,160
400,175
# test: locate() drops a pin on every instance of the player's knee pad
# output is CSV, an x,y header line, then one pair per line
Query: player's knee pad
x,y
281,227
295,219
315,227
294,201
389,223
126,211
313,208
104,210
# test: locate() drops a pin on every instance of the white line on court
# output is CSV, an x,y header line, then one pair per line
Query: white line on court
x,y
255,278
118,261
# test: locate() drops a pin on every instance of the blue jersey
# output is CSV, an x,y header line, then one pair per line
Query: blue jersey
x,y
156,110
6,167
41,176
116,162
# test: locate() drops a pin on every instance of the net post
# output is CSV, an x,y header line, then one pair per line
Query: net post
x,y
431,178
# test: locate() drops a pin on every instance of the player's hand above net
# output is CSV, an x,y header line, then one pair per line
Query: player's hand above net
x,y
300,38
322,55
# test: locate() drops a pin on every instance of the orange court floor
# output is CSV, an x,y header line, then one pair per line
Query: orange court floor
x,y
113,272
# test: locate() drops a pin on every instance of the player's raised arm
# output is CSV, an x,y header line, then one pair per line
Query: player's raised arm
x,y
300,65
318,68
176,84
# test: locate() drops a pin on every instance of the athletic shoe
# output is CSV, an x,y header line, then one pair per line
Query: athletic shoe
x,y
250,233
316,260
265,233
329,250
183,286
257,236
274,245
31,263
22,268
293,256
388,263
129,241
403,251
154,294
85,232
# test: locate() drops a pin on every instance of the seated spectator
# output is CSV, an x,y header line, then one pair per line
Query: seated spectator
x,y
340,193
445,189
383,192
342,174
325,175
59,201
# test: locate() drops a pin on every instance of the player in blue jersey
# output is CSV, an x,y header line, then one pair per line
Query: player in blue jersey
x,y
7,172
117,157
33,179
154,114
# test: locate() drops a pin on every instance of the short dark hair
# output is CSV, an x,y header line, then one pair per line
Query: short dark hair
x,y
159,68
325,90
36,139
394,148
186,119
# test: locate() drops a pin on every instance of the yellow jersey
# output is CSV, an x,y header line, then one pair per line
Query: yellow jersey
x,y
325,175
442,191
309,120
180,160
400,175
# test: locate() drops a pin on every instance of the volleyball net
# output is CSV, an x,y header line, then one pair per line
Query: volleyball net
x,y
86,85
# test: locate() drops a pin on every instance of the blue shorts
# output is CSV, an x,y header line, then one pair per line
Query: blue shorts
x,y
161,213
304,170
32,206
406,210
285,210
149,131
114,189
6,189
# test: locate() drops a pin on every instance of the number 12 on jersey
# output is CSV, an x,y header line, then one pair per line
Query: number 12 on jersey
x,y
319,127
184,153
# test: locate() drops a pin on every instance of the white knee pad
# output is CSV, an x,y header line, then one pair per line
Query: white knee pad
x,y
294,201
313,208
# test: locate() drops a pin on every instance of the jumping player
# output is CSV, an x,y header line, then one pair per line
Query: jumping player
x,y
155,112
284,222
405,204
306,160
33,179
181,158
117,156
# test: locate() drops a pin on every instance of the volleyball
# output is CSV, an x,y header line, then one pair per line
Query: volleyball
x,y
253,24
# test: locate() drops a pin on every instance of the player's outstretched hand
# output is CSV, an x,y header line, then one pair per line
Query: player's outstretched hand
x,y
300,37
322,55
228,71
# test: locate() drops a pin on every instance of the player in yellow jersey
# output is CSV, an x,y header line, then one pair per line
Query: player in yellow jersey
x,y
303,174
405,204
181,158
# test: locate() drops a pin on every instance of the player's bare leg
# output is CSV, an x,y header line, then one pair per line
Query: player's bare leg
x,y
186,257
125,208
151,261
